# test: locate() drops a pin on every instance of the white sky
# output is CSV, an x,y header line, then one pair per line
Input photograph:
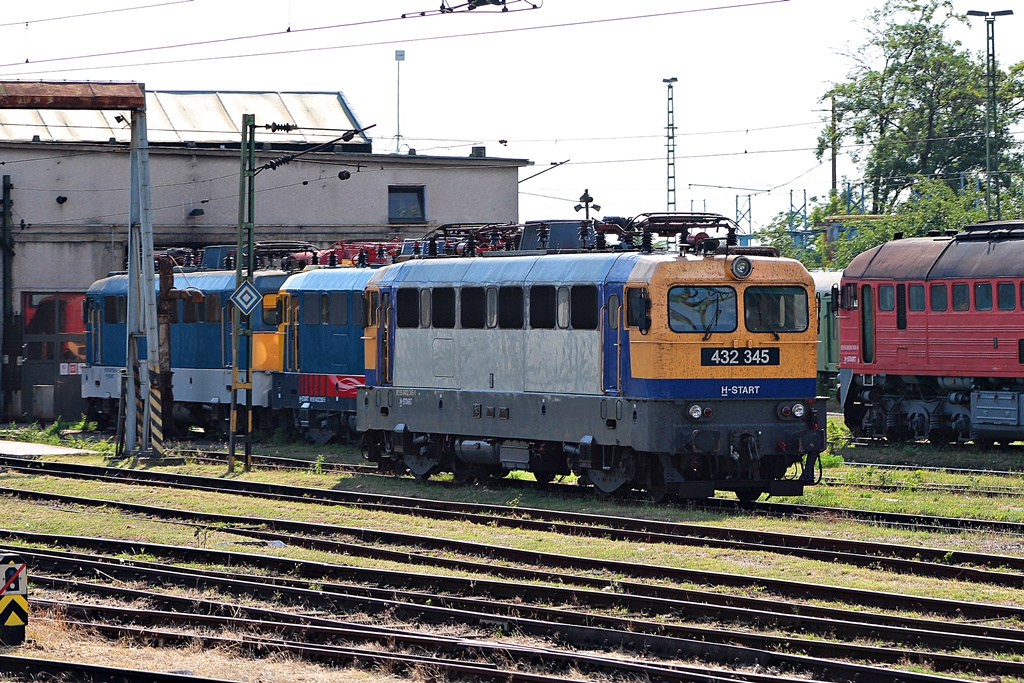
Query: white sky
x,y
575,79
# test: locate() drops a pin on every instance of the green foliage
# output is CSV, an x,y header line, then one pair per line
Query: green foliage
x,y
914,103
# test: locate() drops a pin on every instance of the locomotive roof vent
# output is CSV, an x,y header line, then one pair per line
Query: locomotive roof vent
x,y
897,236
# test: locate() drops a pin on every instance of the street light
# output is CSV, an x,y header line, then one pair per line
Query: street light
x,y
990,102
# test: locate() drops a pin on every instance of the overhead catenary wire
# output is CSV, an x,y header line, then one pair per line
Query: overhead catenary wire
x,y
307,50
82,15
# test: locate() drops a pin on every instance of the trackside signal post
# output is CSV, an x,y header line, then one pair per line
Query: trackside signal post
x,y
13,599
245,299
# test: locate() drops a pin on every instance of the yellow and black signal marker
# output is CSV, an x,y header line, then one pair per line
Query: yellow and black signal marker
x,y
13,599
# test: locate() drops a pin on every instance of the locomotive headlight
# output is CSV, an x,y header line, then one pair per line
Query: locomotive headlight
x,y
799,410
695,411
741,267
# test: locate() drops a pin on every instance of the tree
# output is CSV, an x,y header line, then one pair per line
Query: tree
x,y
915,103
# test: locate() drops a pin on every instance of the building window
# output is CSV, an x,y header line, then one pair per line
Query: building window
x,y
406,204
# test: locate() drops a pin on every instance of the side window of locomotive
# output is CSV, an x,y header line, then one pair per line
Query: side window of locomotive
x,y
472,314
122,309
542,307
562,307
510,308
443,308
358,310
310,308
637,307
961,297
940,299
174,307
110,310
775,309
886,298
213,308
188,311
916,298
325,308
425,308
339,308
702,309
372,306
407,302
1006,296
613,312
983,296
584,311
492,307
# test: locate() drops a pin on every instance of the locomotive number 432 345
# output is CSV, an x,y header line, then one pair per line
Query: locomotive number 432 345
x,y
763,356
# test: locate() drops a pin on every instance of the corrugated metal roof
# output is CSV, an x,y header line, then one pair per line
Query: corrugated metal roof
x,y
178,117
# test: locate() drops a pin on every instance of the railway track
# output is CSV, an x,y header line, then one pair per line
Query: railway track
x,y
914,560
574,629
922,522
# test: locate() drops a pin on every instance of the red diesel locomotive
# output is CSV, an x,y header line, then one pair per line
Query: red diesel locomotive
x,y
932,337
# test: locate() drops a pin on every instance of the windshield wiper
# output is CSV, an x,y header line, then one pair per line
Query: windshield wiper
x,y
712,323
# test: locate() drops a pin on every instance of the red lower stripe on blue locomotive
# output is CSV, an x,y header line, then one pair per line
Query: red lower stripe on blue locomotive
x,y
330,386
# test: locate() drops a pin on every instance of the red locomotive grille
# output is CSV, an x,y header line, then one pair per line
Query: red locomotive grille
x,y
331,386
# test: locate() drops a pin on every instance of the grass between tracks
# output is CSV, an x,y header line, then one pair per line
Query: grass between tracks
x,y
107,522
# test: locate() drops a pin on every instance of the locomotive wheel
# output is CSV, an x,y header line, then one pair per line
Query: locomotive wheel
x,y
422,466
544,477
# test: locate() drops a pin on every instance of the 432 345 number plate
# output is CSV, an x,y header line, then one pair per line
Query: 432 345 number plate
x,y
762,356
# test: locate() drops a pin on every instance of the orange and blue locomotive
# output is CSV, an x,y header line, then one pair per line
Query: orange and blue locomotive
x,y
679,373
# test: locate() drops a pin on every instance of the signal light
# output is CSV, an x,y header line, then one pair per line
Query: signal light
x,y
695,411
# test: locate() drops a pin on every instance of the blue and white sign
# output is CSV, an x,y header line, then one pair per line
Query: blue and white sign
x,y
246,298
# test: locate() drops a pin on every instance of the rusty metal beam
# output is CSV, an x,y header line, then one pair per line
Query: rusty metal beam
x,y
82,95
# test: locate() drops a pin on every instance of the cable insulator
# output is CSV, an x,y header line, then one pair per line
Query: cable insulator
x,y
646,243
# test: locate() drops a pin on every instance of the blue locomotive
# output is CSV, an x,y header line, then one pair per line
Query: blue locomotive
x,y
680,372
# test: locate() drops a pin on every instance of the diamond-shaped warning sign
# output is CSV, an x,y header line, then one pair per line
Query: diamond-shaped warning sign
x,y
246,297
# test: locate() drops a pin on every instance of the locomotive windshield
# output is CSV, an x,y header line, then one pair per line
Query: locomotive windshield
x,y
775,309
702,309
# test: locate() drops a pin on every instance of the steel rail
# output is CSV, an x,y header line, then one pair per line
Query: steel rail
x,y
600,593
460,645
534,557
57,670
819,654
907,559
528,557
828,622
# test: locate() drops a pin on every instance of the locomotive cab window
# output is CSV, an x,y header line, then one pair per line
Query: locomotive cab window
x,y
702,309
638,308
775,309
